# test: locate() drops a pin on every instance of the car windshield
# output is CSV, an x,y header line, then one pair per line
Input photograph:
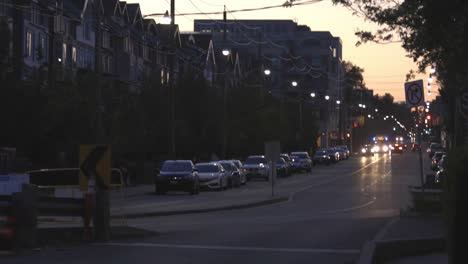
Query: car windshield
x,y
173,166
280,161
237,164
286,158
207,168
320,153
438,155
255,160
227,166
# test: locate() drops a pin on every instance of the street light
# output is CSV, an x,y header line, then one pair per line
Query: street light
x,y
267,72
369,116
338,102
294,83
376,110
360,105
363,106
226,52
312,94
327,97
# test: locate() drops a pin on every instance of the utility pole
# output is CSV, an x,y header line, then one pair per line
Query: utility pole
x,y
224,88
51,48
101,217
172,93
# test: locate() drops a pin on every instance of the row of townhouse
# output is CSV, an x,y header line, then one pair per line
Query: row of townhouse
x,y
61,37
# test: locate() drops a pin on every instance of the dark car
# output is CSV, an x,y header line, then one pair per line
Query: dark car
x,y
321,157
301,161
433,148
233,173
281,167
177,175
334,155
346,150
397,148
415,147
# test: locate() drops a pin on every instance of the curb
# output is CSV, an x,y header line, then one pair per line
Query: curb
x,y
375,252
205,210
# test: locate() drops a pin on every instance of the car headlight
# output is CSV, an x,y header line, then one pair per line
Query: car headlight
x,y
262,165
363,150
385,148
376,149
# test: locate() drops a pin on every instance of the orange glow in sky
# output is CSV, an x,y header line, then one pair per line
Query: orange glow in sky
x,y
385,66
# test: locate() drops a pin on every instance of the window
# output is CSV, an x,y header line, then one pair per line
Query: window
x,y
87,31
105,39
29,44
74,55
64,53
334,52
41,48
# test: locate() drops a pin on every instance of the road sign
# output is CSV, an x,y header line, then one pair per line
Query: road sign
x,y
464,105
272,150
95,163
414,92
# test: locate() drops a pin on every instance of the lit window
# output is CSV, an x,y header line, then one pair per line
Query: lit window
x,y
64,53
74,54
29,44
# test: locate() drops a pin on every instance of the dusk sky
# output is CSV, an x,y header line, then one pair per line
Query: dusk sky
x,y
385,66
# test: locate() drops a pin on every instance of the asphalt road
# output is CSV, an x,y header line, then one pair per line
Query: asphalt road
x,y
327,220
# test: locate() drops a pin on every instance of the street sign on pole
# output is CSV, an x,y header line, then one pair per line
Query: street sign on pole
x,y
95,163
414,92
272,154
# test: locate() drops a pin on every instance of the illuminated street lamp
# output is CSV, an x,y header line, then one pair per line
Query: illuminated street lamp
x,y
338,102
267,72
327,97
294,83
226,52
312,94
376,110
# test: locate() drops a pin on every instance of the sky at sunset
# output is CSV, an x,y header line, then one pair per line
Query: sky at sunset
x,y
385,66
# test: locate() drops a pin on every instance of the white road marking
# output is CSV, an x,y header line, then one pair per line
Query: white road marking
x,y
238,248
349,209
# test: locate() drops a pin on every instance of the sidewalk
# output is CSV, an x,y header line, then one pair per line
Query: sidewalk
x,y
415,239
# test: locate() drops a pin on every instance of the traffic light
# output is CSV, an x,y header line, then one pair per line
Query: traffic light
x,y
428,117
355,124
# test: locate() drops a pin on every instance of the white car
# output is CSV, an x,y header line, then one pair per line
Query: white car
x,y
212,176
257,167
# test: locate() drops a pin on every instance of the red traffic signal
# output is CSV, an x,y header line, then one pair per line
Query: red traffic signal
x,y
355,124
428,117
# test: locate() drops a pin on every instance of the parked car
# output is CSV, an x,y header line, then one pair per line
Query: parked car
x,y
212,176
321,157
281,167
301,161
346,150
256,166
366,150
232,172
433,148
286,158
240,166
435,159
334,155
177,175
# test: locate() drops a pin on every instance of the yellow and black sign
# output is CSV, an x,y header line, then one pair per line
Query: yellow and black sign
x,y
95,163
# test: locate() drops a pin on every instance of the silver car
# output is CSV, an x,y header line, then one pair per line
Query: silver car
x,y
257,167
212,176
240,166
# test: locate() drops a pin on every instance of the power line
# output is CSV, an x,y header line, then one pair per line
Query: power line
x,y
308,2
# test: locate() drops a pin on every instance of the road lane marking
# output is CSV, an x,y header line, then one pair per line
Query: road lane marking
x,y
349,209
291,197
238,248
